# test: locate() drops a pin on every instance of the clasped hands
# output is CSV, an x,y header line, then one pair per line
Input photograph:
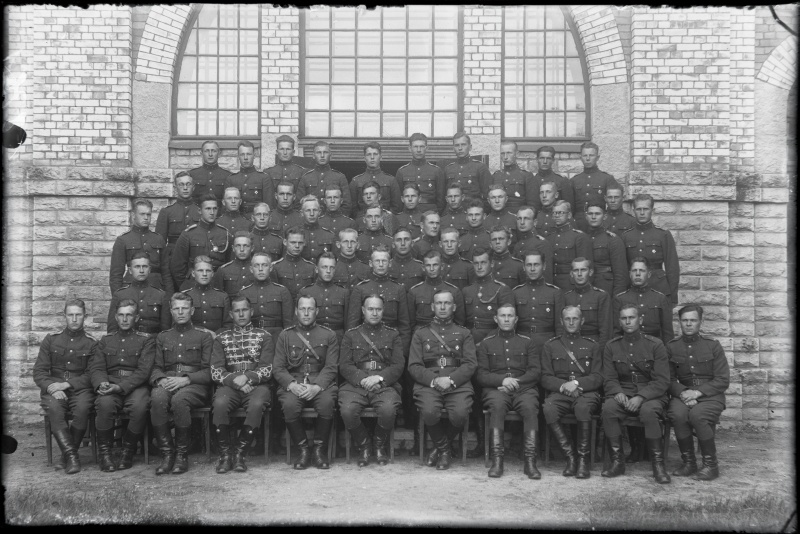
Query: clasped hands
x,y
56,389
372,383
442,384
174,383
690,396
304,391
630,404
570,389
510,385
106,388
243,383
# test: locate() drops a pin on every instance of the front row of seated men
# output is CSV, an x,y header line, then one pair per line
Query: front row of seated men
x,y
634,371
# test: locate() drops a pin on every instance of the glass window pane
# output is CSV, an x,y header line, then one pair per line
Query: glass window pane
x,y
420,122
207,95
187,122
344,44
394,70
446,43
554,70
248,43
248,123
514,18
369,97
571,50
343,97
317,44
576,125
248,69
576,97
534,97
420,44
534,71
534,44
368,125
188,69
394,97
369,19
369,43
534,17
248,96
248,16
187,95
419,71
317,71
513,98
445,17
344,18
228,42
445,124
419,96
554,18
554,97
394,44
534,125
207,123
394,125
554,125
208,16
514,70
574,71
369,71
228,16
512,124
208,41
228,94
228,69
191,43
514,43
419,17
394,18
555,43
318,18
343,124
227,122
445,97
316,124
445,71
317,97
344,71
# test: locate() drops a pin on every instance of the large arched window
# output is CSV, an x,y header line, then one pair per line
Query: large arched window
x,y
381,73
545,94
217,89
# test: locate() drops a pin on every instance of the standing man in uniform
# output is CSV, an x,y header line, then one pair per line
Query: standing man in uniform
x,y
509,372
498,214
505,267
120,366
545,158
548,194
285,170
655,244
306,364
293,271
594,303
177,217
349,269
405,268
538,303
264,240
212,306
318,239
635,382
253,186
528,240
699,378
567,244
332,300
428,178
180,380
519,184
455,214
477,235
420,297
272,303
235,275
617,219
371,197
371,362
233,219
388,188
590,185
572,375
285,214
473,176
139,239
455,269
373,235
411,216
241,368
608,252
61,373
653,305
334,219
442,361
209,178
322,178
153,303
429,240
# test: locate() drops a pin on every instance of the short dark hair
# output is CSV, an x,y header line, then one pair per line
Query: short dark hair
x,y
241,298
479,251
629,306
180,296
428,214
209,142
496,186
595,204
208,197
75,302
691,308
455,185
243,233
589,144
373,144
526,208
181,174
644,197
432,254
475,203
141,255
371,183
545,149
581,259
285,183
410,185
640,259
332,187
459,135
245,143
124,303
418,137
401,229
500,228
509,142
284,139
141,202
326,256
294,230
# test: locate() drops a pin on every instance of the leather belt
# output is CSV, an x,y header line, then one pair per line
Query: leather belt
x,y
443,362
66,375
242,366
694,382
308,368
538,330
148,329
636,378
268,323
568,378
371,365
119,373
514,374
180,368
602,269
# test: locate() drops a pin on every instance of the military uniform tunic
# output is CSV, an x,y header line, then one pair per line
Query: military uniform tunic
x,y
406,270
563,186
618,221
125,359
350,271
201,239
286,172
473,176
211,307
336,221
456,219
457,270
316,181
658,246
424,244
294,362
501,218
481,301
530,241
368,241
233,276
183,351
591,186
610,262
506,354
333,302
635,364
653,305
520,186
411,219
273,306
131,242
395,304
508,269
281,220
595,305
208,179
544,224
254,187
697,362
234,221
152,307
388,223
358,360
176,218
242,350
265,241
65,357
318,241
430,179
390,192
558,367
568,244
539,306
474,237
293,272
420,298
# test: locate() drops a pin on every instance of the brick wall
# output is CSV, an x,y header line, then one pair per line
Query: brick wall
x,y
482,69
18,75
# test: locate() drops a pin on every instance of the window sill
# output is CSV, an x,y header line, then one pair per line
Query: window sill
x,y
560,146
190,144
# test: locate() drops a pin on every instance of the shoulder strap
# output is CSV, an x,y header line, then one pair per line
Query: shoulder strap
x,y
572,356
444,344
307,344
372,345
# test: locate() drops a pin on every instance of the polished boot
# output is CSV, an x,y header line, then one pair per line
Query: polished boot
x,y
689,467
105,444
360,437
657,460
584,450
246,435
480,435
710,469
446,456
322,432
617,467
439,439
129,442
298,435
566,445
529,441
183,438
382,437
166,447
496,452
224,462
77,437
635,440
72,464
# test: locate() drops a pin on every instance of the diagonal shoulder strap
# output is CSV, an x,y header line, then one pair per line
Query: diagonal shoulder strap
x,y
307,344
452,352
372,345
572,356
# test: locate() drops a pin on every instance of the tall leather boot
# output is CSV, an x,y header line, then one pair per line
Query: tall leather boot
x,y
72,463
480,435
710,469
166,447
77,438
129,442
322,432
635,440
360,437
446,456
689,467
566,445
496,451
183,438
617,466
246,435
224,462
657,460
439,439
584,450
298,435
382,436
105,443
529,441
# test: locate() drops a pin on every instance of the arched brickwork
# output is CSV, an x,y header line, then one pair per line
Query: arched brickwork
x,y
602,44
779,68
158,51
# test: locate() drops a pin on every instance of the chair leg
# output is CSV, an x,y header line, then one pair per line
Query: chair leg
x,y
463,440
288,447
486,439
592,439
391,445
665,447
546,445
92,436
207,423
265,424
347,446
421,441
146,445
48,440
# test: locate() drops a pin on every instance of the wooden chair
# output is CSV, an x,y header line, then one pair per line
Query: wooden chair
x,y
570,420
48,436
204,414
634,421
369,413
511,415
311,413
462,438
240,413
121,416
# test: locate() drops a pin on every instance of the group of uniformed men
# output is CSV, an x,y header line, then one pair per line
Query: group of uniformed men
x,y
425,290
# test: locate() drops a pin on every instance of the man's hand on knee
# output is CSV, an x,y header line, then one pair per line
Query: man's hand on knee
x,y
621,398
634,403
